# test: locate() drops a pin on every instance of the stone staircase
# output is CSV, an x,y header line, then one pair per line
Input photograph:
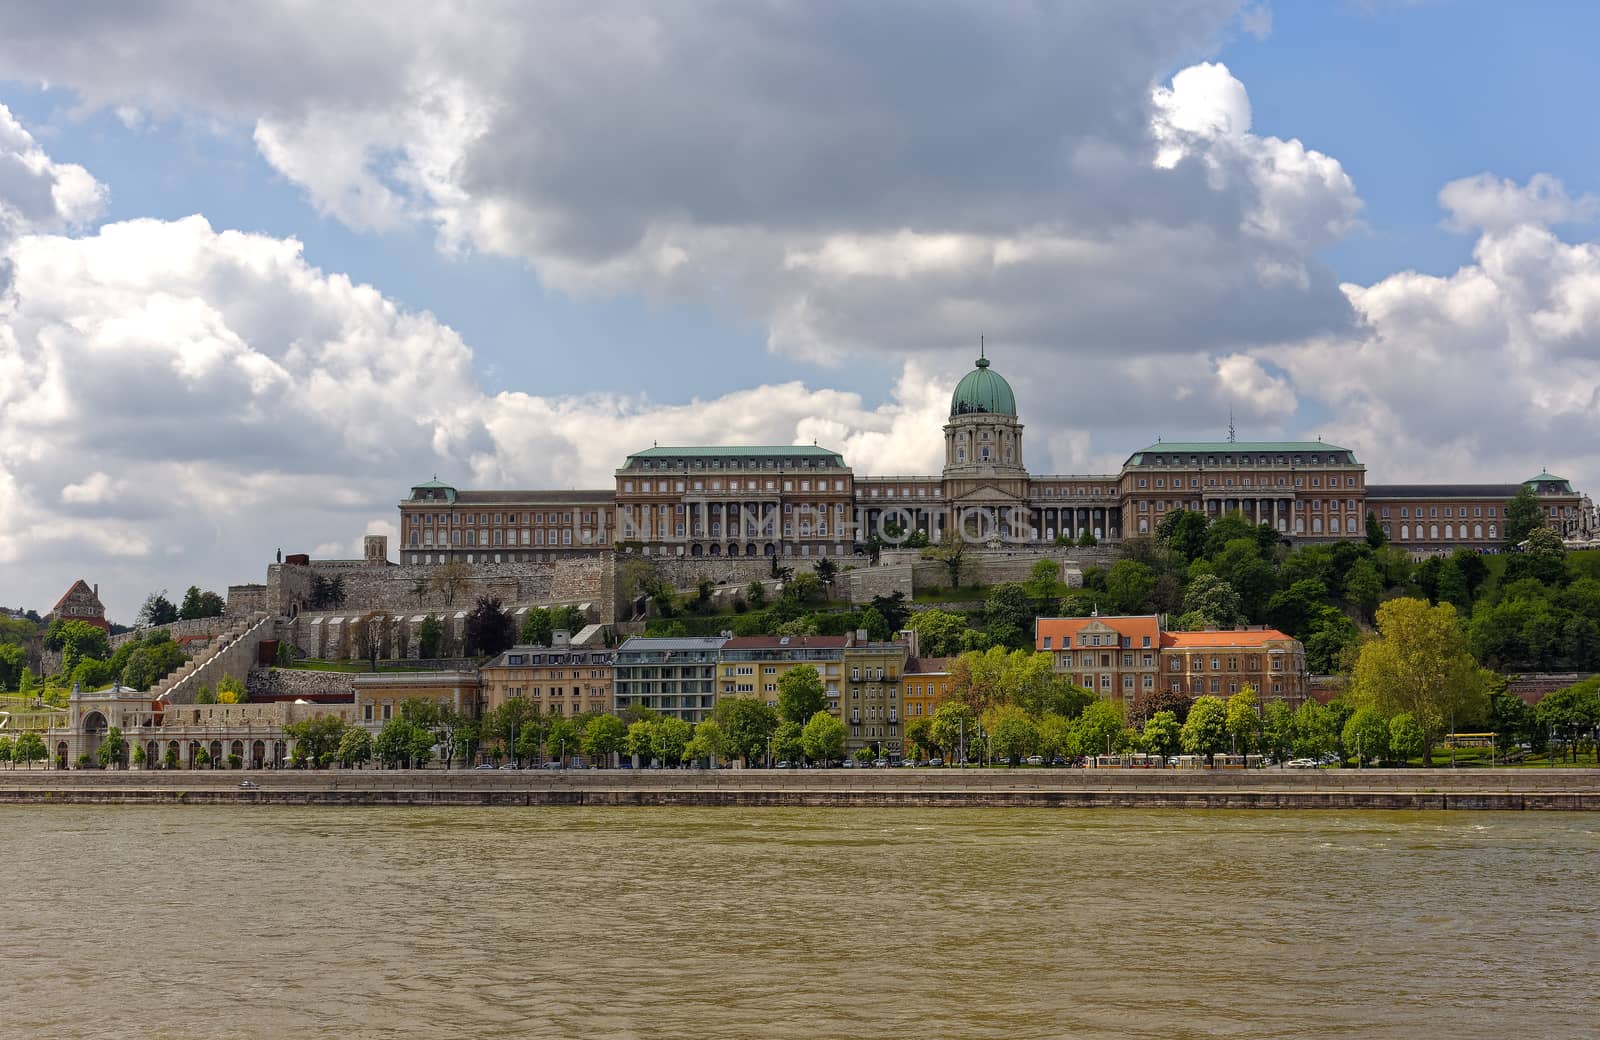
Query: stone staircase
x,y
231,653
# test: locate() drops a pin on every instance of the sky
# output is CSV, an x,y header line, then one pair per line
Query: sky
x,y
264,266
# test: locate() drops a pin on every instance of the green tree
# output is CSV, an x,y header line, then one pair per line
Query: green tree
x,y
112,748
787,745
1044,580
604,736
954,726
893,608
430,637
1213,601
803,588
940,633
748,724
197,604
1363,587
1570,712
1087,540
140,756
801,694
1162,734
202,759
1098,729
1012,733
672,736
919,738
77,641
157,610
1421,666
1244,721
1366,735
536,628
170,759
1331,642
1405,737
827,573
29,749
561,739
1130,585
1543,559
1278,730
822,738
1452,587
709,742
355,747
318,738
1375,536
1523,515
1009,612
1184,531
756,593
395,743
1205,732
12,660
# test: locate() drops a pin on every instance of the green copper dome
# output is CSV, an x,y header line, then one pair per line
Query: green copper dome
x,y
983,390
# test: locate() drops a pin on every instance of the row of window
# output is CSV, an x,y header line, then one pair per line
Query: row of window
x,y
1450,533
1449,512
748,484
1227,482
482,519
424,538
1334,459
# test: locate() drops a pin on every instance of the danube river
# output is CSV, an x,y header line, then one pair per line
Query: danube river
x,y
735,923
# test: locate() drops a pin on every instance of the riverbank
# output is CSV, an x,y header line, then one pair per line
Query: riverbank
x,y
1478,789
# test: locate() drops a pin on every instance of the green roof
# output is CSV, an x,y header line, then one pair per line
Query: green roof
x,y
1543,476
1237,447
435,485
720,451
983,391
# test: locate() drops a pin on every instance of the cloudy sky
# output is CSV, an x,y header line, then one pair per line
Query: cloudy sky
x,y
262,266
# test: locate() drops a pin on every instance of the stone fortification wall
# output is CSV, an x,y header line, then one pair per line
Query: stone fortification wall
x,y
290,682
379,586
246,599
208,628
865,583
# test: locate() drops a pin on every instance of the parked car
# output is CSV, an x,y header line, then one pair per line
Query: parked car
x,y
882,763
1301,763
491,765
551,765
1035,760
249,785
935,761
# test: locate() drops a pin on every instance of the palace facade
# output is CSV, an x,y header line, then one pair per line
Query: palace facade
x,y
805,501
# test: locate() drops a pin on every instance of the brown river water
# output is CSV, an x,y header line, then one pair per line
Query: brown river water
x,y
733,923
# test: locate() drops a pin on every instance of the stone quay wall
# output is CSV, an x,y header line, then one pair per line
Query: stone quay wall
x,y
293,682
1528,789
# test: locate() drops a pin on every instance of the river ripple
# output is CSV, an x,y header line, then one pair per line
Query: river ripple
x,y
732,923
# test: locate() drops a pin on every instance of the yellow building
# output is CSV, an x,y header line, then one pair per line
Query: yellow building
x,y
927,684
750,666
557,680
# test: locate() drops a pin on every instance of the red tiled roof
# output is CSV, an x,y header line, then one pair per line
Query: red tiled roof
x,y
1238,637
927,666
1063,632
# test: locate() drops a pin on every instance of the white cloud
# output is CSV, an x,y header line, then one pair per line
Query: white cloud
x,y
810,168
1495,203
1491,372
37,193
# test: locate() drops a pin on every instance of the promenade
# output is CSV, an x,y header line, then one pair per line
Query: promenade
x,y
1477,789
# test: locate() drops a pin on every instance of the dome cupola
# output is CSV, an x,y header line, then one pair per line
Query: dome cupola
x,y
983,391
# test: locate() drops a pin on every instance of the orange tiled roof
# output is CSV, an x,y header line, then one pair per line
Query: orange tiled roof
x,y
1239,637
1063,632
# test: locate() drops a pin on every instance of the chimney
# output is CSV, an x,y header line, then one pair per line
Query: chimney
x,y
97,590
908,636
861,635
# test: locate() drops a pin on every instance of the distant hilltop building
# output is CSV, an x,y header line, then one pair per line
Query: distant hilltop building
x,y
804,501
80,603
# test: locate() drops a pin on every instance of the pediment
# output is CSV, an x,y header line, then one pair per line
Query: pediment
x,y
988,495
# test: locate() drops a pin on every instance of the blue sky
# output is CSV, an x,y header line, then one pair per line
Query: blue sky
x,y
770,222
